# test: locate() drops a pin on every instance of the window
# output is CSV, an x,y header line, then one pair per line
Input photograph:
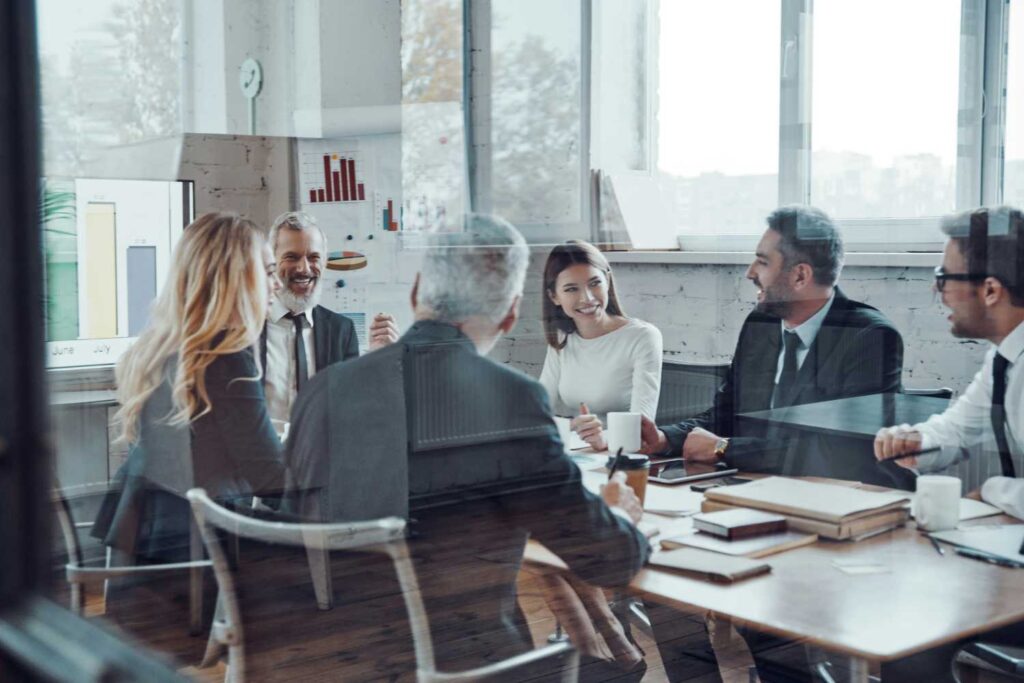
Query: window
x,y
718,114
879,112
884,119
1013,160
535,133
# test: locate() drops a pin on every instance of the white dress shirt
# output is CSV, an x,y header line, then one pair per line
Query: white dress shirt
x,y
808,332
965,429
618,371
279,375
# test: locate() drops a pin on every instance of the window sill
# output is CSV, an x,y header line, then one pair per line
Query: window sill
x,y
880,259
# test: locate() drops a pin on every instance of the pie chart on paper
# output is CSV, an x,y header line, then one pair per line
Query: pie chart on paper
x,y
345,260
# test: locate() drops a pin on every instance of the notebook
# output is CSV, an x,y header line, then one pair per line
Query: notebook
x,y
709,566
739,523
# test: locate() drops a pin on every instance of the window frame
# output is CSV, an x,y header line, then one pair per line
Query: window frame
x,y
980,131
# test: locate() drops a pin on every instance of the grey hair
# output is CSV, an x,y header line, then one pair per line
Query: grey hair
x,y
809,236
475,273
294,220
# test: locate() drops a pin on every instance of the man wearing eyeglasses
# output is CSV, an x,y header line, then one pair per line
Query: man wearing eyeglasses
x,y
981,282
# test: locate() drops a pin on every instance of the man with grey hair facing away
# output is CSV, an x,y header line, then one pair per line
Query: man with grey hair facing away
x,y
463,447
302,337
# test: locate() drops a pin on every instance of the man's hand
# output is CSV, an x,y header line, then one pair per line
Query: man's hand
x,y
652,439
700,446
617,494
893,441
589,428
383,331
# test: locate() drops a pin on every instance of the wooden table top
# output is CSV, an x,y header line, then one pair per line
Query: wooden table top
x,y
859,416
923,599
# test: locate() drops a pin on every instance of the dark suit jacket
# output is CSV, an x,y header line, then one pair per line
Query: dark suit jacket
x,y
857,352
468,449
232,452
334,338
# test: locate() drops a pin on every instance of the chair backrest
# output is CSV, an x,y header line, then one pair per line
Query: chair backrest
x,y
385,535
935,392
688,389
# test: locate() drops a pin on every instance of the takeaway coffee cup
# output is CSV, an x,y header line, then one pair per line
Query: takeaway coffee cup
x,y
937,502
636,467
623,432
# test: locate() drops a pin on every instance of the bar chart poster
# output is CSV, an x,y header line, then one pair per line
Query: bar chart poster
x,y
332,177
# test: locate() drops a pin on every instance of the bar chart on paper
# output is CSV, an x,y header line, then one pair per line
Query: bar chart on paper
x,y
330,177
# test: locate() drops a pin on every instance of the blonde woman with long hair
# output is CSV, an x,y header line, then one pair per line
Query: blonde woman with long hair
x,y
192,405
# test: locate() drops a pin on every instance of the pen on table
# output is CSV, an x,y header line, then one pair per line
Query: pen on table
x,y
923,451
935,544
987,557
615,465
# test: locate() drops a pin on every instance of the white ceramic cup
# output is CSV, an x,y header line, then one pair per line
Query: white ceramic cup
x,y
623,432
937,502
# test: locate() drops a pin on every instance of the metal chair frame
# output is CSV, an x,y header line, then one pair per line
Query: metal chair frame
x,y
386,536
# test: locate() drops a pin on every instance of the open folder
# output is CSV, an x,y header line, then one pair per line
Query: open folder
x,y
1001,540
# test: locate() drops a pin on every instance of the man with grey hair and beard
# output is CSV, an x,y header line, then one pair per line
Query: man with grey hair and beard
x,y
464,448
301,336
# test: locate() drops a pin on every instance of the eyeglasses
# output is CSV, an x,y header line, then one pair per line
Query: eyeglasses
x,y
941,277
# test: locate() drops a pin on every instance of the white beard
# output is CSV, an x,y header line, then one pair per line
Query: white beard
x,y
297,304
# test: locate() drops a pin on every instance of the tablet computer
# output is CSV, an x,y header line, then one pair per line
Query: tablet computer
x,y
674,472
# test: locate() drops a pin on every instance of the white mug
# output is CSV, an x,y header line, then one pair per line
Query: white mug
x,y
623,432
937,502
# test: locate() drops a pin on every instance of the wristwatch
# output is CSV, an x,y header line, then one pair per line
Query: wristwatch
x,y
721,446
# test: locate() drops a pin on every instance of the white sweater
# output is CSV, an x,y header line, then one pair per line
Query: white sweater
x,y
618,371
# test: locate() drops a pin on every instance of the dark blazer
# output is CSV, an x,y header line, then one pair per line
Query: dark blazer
x,y
466,448
232,452
857,352
334,338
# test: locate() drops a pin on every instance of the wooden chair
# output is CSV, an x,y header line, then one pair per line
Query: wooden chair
x,y
80,575
385,536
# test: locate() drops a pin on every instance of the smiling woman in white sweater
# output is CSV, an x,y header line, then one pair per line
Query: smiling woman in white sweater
x,y
596,355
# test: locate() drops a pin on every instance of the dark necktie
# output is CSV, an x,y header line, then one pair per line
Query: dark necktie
x,y
999,365
787,380
301,366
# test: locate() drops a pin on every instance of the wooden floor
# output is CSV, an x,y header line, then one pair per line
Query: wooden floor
x,y
734,661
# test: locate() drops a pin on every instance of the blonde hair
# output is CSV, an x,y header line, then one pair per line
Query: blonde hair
x,y
213,304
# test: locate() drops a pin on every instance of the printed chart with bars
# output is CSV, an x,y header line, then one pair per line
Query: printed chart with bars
x,y
330,177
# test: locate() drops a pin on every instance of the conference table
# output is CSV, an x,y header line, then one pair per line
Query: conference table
x,y
910,598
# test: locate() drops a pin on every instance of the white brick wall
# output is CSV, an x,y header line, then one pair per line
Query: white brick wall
x,y
699,309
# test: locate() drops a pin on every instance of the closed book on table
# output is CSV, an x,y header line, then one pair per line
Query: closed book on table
x,y
702,564
758,546
739,523
852,530
812,500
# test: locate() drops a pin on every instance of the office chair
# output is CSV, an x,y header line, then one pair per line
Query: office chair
x,y
386,536
80,575
687,389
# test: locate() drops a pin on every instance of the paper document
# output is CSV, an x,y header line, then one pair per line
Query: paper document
x,y
971,509
1003,540
671,502
808,499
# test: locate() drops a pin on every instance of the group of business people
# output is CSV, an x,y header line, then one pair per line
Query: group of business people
x,y
427,428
